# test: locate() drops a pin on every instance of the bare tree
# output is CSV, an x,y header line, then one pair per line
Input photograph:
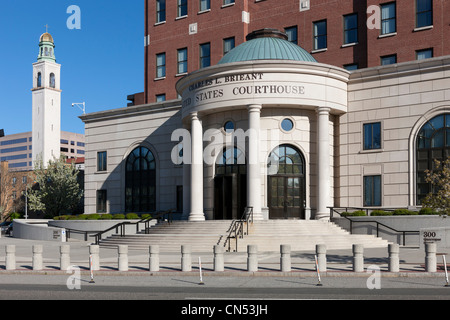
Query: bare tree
x,y
6,190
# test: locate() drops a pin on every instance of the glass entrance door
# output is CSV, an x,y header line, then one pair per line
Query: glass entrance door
x,y
286,183
286,198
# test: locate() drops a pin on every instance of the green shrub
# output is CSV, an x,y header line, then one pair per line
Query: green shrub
x,y
63,217
106,216
381,213
93,216
428,211
118,216
357,213
15,215
146,216
131,216
403,212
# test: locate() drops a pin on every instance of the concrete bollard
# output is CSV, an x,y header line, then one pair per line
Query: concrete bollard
x,y
358,258
186,260
285,258
10,257
321,252
123,257
153,258
218,258
394,261
64,257
37,257
94,252
252,258
430,257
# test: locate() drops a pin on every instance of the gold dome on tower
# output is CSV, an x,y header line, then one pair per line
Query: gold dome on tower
x,y
46,37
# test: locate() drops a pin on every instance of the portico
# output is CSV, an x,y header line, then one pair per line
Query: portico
x,y
254,97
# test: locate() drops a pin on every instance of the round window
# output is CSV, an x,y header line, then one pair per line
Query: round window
x,y
287,124
228,126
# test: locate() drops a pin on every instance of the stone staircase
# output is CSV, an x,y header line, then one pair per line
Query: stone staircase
x,y
303,235
202,236
268,235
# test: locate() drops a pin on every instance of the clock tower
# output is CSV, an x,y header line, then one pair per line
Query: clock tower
x,y
46,103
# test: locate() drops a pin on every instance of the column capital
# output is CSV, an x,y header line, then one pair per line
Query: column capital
x,y
193,116
323,110
254,108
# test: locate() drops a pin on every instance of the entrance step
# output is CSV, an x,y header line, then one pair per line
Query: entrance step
x,y
303,235
268,235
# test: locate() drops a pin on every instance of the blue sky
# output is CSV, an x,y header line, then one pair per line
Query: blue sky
x,y
101,63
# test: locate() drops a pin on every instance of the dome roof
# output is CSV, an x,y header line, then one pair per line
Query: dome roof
x,y
46,37
267,44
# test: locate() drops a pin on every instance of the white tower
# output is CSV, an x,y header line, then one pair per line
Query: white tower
x,y
46,103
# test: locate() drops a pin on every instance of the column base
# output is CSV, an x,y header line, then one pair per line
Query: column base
x,y
196,217
324,216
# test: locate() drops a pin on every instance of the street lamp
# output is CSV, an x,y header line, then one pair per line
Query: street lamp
x,y
80,105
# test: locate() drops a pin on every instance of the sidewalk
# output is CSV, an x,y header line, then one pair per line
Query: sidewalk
x,y
412,260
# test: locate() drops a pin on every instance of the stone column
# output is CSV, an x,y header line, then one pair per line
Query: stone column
x,y
430,257
186,259
64,259
358,258
323,164
253,167
153,258
10,259
218,258
196,213
37,257
321,251
285,258
94,251
394,262
123,257
252,258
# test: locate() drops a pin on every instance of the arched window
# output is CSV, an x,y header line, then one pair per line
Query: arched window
x,y
433,142
39,80
286,159
52,80
232,160
140,181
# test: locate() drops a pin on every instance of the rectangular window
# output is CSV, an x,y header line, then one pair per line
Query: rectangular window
x,y
160,65
228,45
372,136
350,67
424,54
391,59
351,28
182,60
372,191
101,201
320,35
205,55
160,11
182,8
160,97
225,2
101,161
205,5
388,18
292,34
424,13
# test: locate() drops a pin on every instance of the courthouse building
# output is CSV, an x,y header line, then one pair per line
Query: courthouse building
x,y
315,135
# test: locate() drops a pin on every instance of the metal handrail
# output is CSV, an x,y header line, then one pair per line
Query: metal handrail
x,y
378,224
236,229
121,225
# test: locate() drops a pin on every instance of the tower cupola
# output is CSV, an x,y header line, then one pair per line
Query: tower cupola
x,y
46,48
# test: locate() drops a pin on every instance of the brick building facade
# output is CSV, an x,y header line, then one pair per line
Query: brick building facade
x,y
181,34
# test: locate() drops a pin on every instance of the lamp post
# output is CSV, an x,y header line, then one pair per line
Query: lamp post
x,y
81,105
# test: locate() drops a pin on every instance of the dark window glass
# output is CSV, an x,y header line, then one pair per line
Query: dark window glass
x,y
372,136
